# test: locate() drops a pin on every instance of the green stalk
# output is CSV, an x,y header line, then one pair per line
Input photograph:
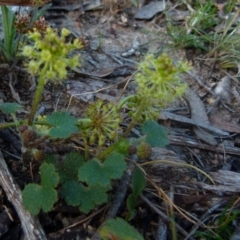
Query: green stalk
x,y
15,120
125,100
6,28
8,47
86,151
11,124
135,118
83,122
36,100
106,152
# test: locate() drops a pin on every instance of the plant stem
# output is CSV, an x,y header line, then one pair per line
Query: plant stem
x,y
86,149
36,100
6,28
106,152
135,118
15,120
83,122
125,100
9,31
11,124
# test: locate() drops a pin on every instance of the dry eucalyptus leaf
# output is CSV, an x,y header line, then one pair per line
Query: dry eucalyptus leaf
x,y
198,112
218,122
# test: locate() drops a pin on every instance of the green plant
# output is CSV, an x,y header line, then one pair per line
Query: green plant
x,y
119,229
14,27
230,5
36,197
135,3
9,44
138,185
158,84
206,31
196,30
49,59
225,48
85,182
225,226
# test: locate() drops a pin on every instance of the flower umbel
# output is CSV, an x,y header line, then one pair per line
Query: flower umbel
x,y
41,25
22,23
158,83
158,79
49,56
105,119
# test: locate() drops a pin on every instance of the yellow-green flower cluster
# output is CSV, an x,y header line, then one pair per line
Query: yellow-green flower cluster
x,y
149,111
105,119
49,56
158,79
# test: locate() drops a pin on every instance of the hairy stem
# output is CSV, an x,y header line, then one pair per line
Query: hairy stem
x,y
11,124
106,152
86,148
135,118
36,100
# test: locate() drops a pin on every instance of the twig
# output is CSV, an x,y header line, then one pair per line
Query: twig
x,y
203,219
31,226
190,142
122,190
164,216
161,230
60,232
200,82
167,115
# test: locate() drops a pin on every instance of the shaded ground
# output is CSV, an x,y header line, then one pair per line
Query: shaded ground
x,y
113,47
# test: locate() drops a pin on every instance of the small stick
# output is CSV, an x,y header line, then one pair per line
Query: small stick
x,y
164,216
30,225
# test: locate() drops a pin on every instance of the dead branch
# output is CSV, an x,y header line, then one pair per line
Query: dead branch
x,y
30,225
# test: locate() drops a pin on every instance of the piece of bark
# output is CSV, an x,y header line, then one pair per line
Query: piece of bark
x,y
190,142
198,112
225,177
30,225
218,122
220,188
164,115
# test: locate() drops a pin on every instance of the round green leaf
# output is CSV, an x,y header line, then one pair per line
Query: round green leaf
x,y
93,174
9,108
63,125
49,177
32,198
114,165
156,134
119,229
